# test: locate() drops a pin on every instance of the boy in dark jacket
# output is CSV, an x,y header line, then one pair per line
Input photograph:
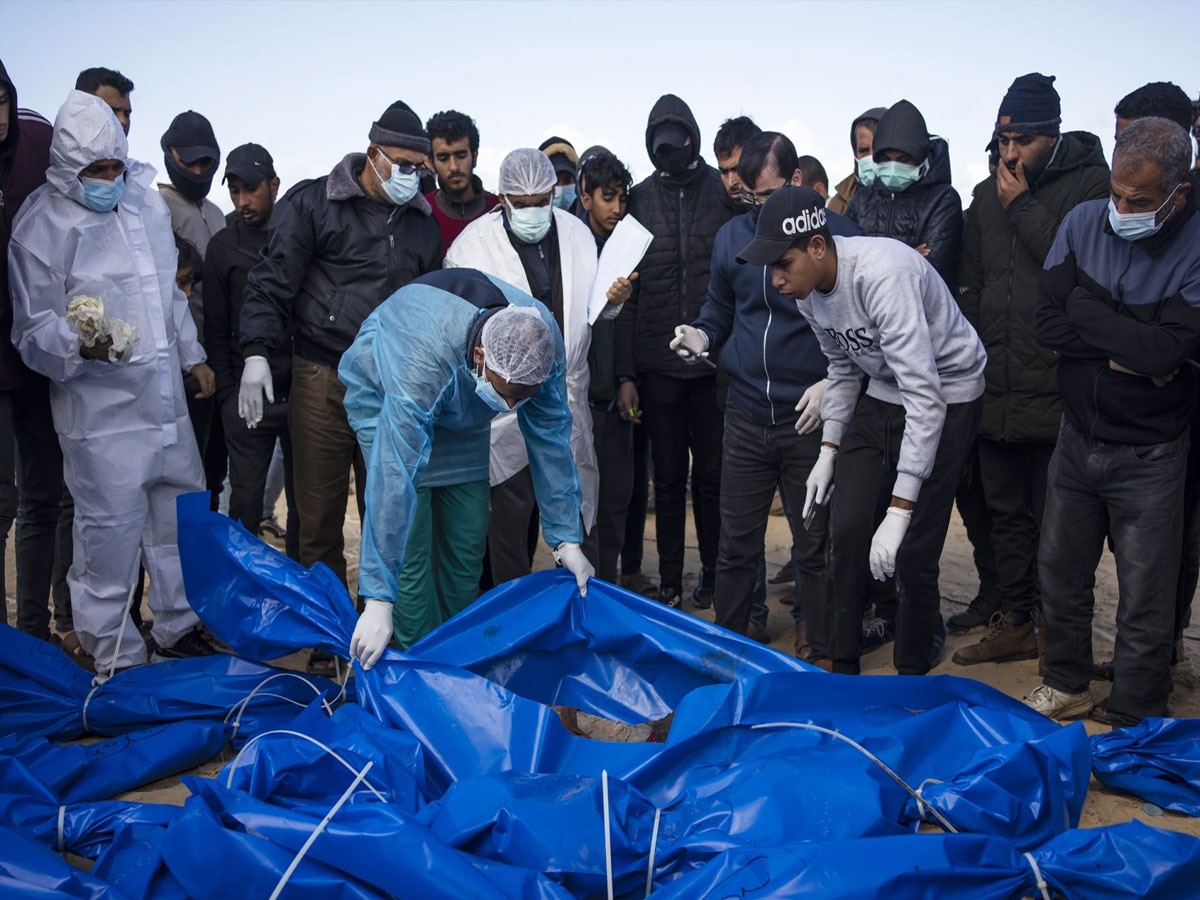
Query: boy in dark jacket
x,y
232,253
683,204
1014,215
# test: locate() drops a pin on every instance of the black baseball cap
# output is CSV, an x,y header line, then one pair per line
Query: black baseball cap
x,y
669,134
251,163
192,137
789,213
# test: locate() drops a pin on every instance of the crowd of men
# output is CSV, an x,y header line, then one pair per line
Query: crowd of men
x,y
868,351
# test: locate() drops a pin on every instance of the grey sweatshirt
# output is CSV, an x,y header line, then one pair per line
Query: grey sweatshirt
x,y
891,317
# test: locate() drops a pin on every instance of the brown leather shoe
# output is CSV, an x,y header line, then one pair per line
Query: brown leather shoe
x,y
754,633
825,665
1003,642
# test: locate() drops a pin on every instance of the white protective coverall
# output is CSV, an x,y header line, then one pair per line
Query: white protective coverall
x,y
127,443
484,245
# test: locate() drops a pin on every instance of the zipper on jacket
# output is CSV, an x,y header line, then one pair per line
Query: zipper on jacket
x,y
683,314
766,331
1012,263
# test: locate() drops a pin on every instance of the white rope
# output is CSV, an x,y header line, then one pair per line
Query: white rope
x,y
607,835
653,850
311,740
916,795
240,706
1037,873
62,814
112,665
86,701
317,831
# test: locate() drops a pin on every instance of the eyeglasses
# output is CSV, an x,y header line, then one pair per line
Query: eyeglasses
x,y
420,169
755,198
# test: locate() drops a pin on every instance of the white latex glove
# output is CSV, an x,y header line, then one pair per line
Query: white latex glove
x,y
809,408
256,381
571,558
886,542
820,480
372,634
690,343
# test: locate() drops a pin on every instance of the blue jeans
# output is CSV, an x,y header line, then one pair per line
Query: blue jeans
x,y
1134,494
757,458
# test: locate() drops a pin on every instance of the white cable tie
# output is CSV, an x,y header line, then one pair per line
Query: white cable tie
x,y
240,706
653,849
112,665
86,700
317,831
1037,873
62,815
607,836
921,802
310,739
921,786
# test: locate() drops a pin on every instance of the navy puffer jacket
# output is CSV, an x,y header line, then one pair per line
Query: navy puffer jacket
x,y
930,212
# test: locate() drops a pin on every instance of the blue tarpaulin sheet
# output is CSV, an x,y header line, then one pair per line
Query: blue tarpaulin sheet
x,y
775,780
1157,759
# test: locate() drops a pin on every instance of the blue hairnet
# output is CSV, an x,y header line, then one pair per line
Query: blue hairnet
x,y
526,172
517,344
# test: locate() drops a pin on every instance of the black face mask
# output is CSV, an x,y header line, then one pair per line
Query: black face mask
x,y
194,187
673,160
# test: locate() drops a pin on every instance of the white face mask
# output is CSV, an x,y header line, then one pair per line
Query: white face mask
x,y
487,392
400,186
1136,226
531,223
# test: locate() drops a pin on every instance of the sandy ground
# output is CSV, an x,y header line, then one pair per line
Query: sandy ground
x,y
958,586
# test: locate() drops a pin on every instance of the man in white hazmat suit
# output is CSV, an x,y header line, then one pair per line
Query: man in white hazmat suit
x,y
551,255
428,372
97,228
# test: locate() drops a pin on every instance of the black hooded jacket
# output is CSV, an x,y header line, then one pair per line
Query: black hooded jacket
x,y
929,212
1004,251
684,214
24,158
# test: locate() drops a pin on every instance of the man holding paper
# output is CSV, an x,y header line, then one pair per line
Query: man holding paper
x,y
604,184
549,254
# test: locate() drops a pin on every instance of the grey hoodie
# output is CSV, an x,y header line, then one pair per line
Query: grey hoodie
x,y
892,318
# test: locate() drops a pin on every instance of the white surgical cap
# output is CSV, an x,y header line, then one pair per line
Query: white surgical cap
x,y
517,345
526,172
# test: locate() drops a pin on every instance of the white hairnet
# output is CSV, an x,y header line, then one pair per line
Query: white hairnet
x,y
526,172
518,346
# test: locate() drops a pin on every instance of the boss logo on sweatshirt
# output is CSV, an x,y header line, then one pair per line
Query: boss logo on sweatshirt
x,y
853,340
809,220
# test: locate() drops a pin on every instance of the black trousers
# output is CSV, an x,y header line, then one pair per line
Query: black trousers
x,y
250,451
1014,485
682,420
759,458
31,490
639,498
866,469
612,436
1133,494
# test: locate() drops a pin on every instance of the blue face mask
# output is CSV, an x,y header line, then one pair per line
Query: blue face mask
x,y
531,223
866,171
402,186
898,177
564,196
102,196
1136,226
487,392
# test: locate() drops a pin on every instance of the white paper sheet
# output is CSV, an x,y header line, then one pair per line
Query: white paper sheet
x,y
621,255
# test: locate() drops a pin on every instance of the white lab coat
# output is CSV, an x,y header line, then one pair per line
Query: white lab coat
x,y
127,442
485,246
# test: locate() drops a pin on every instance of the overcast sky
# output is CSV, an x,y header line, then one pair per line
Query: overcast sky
x,y
306,79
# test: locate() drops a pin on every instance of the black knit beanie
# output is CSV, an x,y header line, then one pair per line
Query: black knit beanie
x,y
1031,106
399,126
